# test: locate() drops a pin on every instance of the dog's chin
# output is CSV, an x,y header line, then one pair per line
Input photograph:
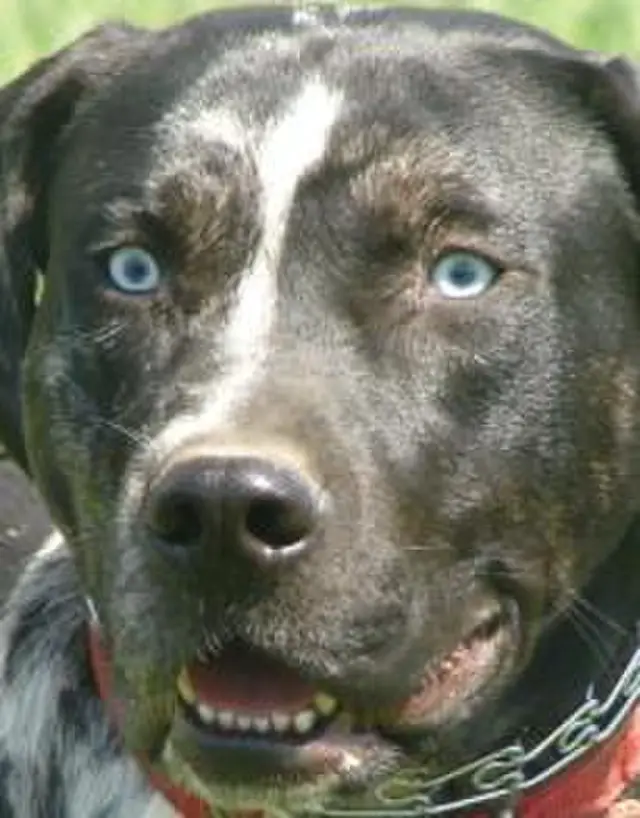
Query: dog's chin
x,y
298,749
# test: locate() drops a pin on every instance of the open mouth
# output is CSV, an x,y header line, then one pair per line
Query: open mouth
x,y
239,696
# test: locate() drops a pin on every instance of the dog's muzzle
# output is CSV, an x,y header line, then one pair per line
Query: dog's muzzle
x,y
585,764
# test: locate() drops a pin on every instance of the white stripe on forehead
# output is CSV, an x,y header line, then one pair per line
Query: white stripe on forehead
x,y
291,145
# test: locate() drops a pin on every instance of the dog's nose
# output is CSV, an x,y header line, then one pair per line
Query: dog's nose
x,y
267,511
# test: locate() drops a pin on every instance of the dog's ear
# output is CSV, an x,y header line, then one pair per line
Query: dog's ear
x,y
615,97
607,86
35,111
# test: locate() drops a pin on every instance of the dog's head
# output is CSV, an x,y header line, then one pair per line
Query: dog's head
x,y
333,380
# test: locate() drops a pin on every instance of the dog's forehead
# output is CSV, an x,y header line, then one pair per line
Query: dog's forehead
x,y
330,85
410,76
271,108
245,88
339,98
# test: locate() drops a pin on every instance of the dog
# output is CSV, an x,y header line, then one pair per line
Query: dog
x,y
320,339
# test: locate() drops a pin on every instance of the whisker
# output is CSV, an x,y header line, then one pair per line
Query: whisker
x,y
432,549
138,438
596,612
590,635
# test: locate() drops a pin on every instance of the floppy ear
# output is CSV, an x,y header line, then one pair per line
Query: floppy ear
x,y
35,110
616,98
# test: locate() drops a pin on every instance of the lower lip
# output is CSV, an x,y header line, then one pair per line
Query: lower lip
x,y
241,759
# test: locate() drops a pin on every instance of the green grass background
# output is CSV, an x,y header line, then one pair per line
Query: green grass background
x,y
29,28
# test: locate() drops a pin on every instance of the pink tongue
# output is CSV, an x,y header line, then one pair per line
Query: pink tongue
x,y
242,680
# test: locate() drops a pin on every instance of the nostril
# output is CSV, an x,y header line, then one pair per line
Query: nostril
x,y
279,523
270,513
177,519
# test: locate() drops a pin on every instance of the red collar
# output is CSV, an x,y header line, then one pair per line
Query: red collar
x,y
587,789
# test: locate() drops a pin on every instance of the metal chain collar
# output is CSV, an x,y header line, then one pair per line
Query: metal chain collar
x,y
503,777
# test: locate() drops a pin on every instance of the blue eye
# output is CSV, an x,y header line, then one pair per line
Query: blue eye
x,y
134,271
462,274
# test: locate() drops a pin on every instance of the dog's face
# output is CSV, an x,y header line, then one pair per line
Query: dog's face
x,y
334,382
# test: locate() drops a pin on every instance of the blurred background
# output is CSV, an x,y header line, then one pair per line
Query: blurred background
x,y
29,28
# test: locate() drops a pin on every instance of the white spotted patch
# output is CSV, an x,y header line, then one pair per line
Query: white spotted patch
x,y
221,126
181,125
159,807
53,542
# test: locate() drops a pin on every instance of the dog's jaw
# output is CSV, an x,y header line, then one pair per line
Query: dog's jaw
x,y
247,797
346,761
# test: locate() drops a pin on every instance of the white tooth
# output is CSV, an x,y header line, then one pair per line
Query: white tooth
x,y
324,704
226,719
260,724
185,688
304,721
243,722
206,713
281,722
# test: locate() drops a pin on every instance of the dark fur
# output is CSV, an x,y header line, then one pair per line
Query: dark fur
x,y
475,453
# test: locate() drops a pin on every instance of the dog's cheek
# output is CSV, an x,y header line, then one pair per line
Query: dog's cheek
x,y
612,389
593,508
63,442
611,442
